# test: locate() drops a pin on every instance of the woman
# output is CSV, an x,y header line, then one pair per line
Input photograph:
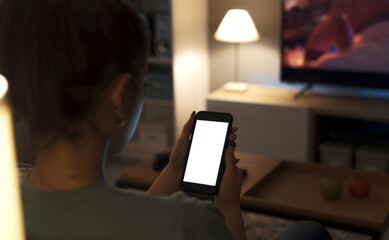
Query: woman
x,y
76,71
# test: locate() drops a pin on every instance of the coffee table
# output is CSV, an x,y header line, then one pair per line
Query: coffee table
x,y
292,189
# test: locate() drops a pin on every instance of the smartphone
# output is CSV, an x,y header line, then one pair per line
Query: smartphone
x,y
205,161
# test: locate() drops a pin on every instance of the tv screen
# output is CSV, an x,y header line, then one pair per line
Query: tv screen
x,y
342,42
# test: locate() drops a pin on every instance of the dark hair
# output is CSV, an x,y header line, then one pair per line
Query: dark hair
x,y
59,54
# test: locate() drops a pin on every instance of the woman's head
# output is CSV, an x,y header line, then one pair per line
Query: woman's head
x,y
59,57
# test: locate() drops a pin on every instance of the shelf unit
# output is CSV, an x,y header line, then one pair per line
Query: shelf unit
x,y
156,125
168,62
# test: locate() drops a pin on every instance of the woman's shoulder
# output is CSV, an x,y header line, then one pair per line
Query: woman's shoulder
x,y
185,216
179,206
178,201
126,212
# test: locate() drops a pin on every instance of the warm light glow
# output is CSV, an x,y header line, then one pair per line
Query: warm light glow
x,y
3,86
190,59
237,27
11,224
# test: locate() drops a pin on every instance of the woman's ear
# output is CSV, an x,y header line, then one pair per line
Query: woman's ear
x,y
117,89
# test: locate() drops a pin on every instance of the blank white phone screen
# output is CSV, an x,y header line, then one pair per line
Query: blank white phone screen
x,y
205,153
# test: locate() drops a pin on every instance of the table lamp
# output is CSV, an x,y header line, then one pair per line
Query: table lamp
x,y
11,220
237,27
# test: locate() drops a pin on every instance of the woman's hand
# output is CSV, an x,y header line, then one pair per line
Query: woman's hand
x,y
169,180
230,186
228,197
178,155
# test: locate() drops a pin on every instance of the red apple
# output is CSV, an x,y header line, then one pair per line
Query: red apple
x,y
331,188
359,187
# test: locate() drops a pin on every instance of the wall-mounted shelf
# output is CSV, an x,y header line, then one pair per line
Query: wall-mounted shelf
x,y
160,61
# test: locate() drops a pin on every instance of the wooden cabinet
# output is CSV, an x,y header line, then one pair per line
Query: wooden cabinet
x,y
273,123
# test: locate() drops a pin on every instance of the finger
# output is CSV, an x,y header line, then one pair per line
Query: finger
x,y
230,158
233,135
239,172
188,127
232,138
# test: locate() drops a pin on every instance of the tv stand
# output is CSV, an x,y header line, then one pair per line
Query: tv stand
x,y
272,122
303,91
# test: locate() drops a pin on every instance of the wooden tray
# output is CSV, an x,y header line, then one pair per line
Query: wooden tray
x,y
293,189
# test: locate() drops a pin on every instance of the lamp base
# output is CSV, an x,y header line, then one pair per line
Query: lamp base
x,y
236,87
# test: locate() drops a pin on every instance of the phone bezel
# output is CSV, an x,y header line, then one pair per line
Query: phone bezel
x,y
201,188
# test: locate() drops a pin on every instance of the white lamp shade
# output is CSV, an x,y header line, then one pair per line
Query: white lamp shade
x,y
237,27
11,220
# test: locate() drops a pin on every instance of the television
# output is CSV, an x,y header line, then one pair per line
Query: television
x,y
336,42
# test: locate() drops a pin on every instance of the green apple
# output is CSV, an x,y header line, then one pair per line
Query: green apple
x,y
331,188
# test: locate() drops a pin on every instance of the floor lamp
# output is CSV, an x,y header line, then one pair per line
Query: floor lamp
x,y
237,27
11,220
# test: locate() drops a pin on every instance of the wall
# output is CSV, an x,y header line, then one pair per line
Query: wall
x,y
259,61
190,58
202,64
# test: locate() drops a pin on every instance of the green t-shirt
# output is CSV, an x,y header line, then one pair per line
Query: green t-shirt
x,y
100,212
